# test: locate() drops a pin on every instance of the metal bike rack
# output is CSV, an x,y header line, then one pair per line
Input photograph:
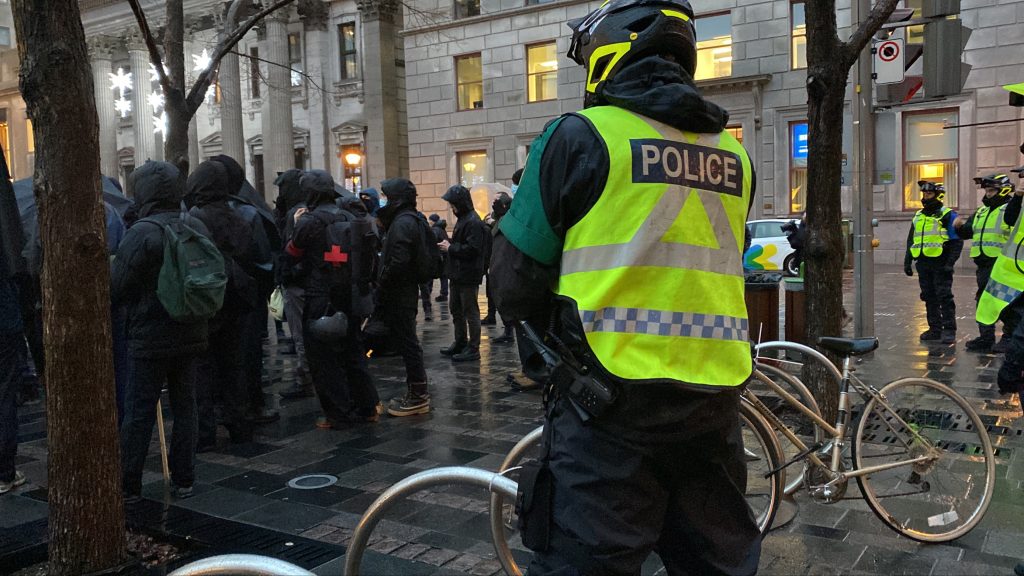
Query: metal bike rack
x,y
241,564
427,479
497,500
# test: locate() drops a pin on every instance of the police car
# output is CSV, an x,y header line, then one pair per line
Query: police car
x,y
769,247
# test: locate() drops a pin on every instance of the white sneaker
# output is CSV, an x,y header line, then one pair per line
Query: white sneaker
x,y
19,479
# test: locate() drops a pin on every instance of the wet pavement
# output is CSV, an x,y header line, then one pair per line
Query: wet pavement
x,y
477,418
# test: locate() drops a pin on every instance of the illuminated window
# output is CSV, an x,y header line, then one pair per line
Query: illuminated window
x,y
466,8
295,58
914,34
541,72
930,153
347,46
473,167
31,137
469,82
737,133
254,72
714,47
799,35
798,145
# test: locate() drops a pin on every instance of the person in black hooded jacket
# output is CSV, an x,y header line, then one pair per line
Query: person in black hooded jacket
x,y
161,349
337,365
219,373
661,467
398,292
466,266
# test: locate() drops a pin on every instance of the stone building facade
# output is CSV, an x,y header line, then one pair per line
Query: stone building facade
x,y
484,78
313,84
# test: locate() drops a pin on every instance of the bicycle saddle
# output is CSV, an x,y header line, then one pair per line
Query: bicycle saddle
x,y
849,346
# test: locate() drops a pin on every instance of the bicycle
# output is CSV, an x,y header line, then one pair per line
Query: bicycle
x,y
920,454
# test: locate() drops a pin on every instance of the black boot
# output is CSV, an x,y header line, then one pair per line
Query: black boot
x,y
467,355
454,349
931,335
979,344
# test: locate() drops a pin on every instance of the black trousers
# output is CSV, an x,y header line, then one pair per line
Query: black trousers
x,y
680,493
425,290
1011,373
465,309
340,376
12,369
937,293
254,323
219,379
982,274
148,376
401,323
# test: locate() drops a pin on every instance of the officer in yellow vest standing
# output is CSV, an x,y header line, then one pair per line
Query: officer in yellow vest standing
x,y
933,243
623,244
1001,298
988,232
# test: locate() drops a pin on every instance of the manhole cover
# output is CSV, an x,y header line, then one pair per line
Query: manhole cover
x,y
312,481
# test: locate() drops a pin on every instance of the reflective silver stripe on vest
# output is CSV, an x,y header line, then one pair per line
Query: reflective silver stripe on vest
x,y
664,323
929,245
991,244
646,248
1001,291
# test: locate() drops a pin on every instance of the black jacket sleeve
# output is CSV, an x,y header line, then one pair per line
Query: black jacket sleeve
x,y
131,259
966,232
1012,210
400,251
907,258
471,245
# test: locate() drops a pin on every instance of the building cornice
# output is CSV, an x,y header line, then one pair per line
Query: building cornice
x,y
490,16
733,83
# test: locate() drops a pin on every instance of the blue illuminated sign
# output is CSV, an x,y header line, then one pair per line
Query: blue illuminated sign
x,y
799,141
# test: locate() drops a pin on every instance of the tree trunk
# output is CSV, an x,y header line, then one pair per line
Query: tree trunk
x,y
827,72
86,516
178,115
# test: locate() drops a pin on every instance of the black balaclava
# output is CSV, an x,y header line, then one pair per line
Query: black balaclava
x,y
371,200
401,194
995,201
460,199
931,206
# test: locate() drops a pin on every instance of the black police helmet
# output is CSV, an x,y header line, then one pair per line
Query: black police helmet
x,y
1000,182
620,31
938,189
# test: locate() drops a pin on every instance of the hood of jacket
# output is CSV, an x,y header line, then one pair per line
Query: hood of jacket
x,y
234,171
401,196
317,188
207,184
155,188
289,193
460,199
371,202
353,205
657,88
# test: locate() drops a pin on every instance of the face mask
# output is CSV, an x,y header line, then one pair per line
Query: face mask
x,y
931,204
383,201
512,191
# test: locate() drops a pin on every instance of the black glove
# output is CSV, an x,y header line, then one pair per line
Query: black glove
x,y
908,269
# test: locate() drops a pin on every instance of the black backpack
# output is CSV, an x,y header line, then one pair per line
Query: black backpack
x,y
429,261
349,258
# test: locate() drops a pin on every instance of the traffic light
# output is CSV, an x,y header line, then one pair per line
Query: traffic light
x,y
945,37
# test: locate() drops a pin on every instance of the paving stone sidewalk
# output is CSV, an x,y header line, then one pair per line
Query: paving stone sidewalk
x,y
477,418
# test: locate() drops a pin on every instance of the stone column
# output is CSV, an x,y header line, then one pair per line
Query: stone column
x,y
100,48
379,87
190,74
314,14
278,141
231,134
142,112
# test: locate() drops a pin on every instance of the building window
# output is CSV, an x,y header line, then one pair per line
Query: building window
x,y
5,141
216,93
930,153
736,131
469,82
300,158
914,34
31,136
254,72
5,36
473,167
797,167
714,46
541,72
347,50
799,35
295,58
466,8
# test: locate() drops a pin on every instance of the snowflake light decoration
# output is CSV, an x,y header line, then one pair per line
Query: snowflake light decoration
x,y
156,101
121,81
296,78
154,76
201,61
160,124
123,106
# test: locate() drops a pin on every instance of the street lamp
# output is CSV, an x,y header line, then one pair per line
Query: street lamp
x,y
353,159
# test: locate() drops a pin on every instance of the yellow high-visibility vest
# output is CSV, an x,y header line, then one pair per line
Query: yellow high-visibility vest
x,y
1007,280
990,232
929,234
655,267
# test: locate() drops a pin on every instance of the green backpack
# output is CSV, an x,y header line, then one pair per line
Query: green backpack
x,y
192,279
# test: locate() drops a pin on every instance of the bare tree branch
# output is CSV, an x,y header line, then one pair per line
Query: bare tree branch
x,y
860,38
224,46
154,51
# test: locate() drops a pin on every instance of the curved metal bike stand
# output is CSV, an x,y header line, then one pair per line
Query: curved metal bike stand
x,y
420,481
241,564
497,501
807,350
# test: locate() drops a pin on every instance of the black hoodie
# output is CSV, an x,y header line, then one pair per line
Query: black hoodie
x,y
402,244
133,278
470,242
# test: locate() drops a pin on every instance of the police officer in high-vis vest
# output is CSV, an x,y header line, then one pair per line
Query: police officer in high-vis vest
x,y
623,244
934,244
1001,299
988,232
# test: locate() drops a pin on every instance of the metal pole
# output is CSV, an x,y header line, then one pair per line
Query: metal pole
x,y
863,170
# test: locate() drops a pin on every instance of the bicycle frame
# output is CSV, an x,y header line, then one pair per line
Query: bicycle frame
x,y
837,433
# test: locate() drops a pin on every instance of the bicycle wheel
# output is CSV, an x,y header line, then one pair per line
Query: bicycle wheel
x,y
788,416
942,497
763,455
